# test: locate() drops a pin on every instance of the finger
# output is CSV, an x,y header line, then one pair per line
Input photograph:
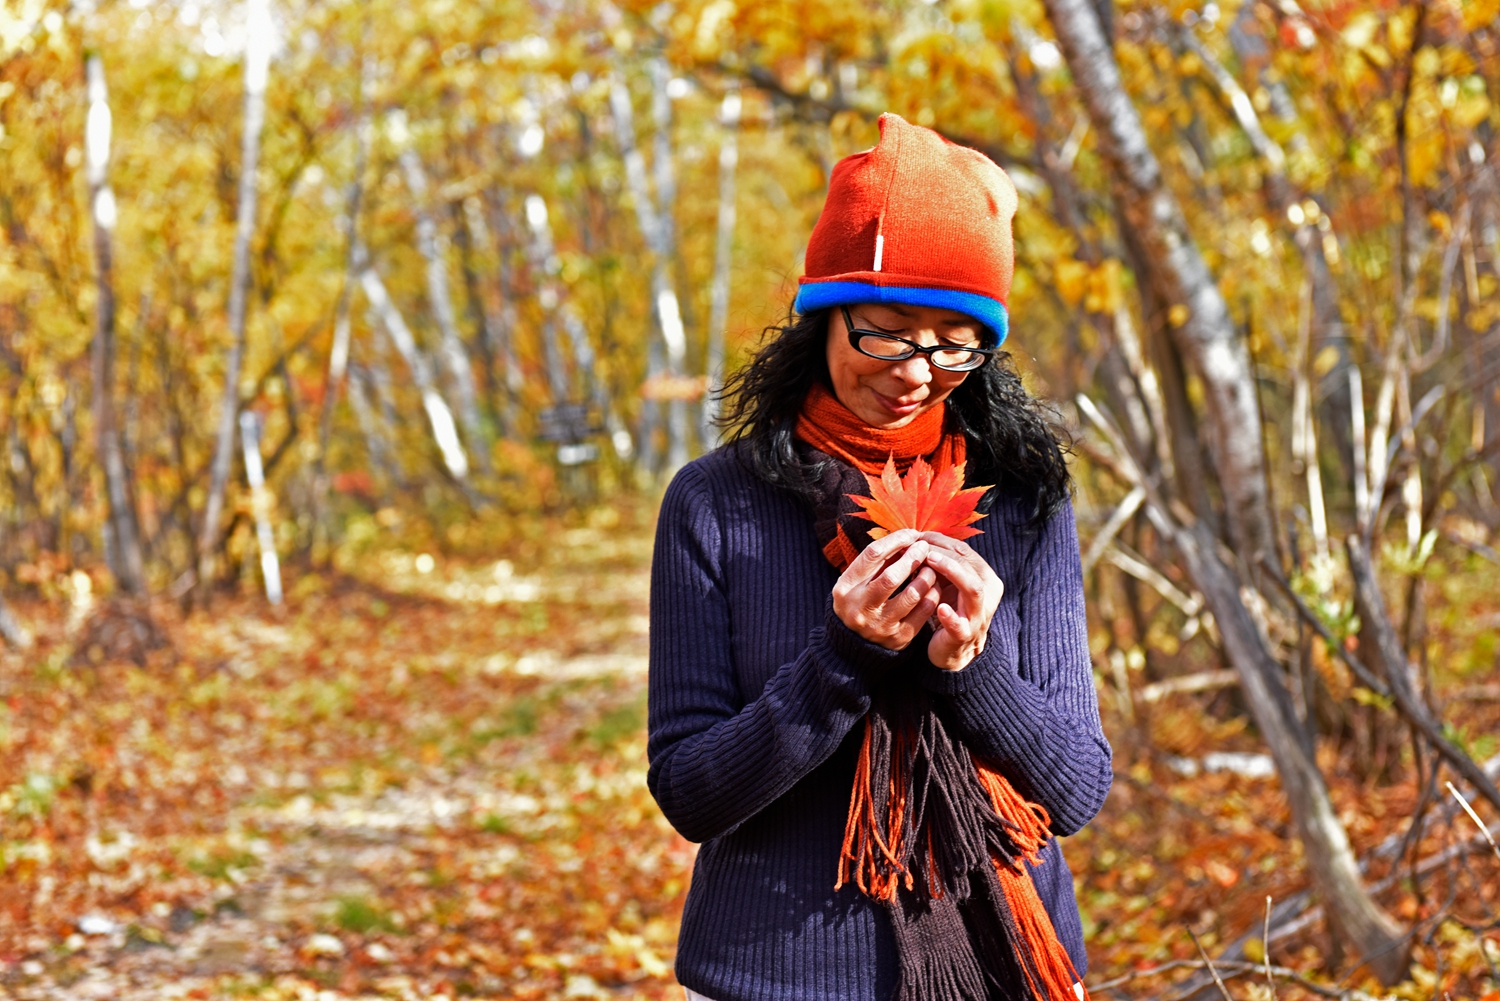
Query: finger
x,y
957,571
885,583
957,626
875,556
947,542
923,610
942,541
923,584
964,552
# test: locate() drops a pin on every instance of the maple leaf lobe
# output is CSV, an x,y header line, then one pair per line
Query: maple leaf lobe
x,y
924,499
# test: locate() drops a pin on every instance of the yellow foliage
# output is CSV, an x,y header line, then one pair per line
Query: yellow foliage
x,y
1071,279
1105,292
1470,109
1480,13
1360,30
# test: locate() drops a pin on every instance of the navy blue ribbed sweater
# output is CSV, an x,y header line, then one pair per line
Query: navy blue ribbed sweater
x,y
756,695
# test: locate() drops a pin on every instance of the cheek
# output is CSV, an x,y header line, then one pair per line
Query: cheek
x,y
846,365
946,382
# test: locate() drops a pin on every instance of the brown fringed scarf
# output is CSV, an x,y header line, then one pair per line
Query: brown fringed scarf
x,y
935,834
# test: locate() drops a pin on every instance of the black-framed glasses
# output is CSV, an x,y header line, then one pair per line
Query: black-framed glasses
x,y
889,347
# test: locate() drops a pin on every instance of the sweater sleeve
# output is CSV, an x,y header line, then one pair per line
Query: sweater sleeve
x,y
716,760
1033,713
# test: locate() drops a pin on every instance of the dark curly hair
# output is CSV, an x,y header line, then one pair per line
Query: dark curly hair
x,y
1015,441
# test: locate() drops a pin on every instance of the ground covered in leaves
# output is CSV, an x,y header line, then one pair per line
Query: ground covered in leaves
x,y
425,777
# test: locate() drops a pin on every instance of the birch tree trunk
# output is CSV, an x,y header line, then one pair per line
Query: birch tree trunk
x,y
1327,322
718,319
669,305
260,505
10,629
497,207
1200,323
544,261
257,67
338,353
122,546
444,431
455,357
1376,937
663,294
376,444
555,301
1207,339
472,237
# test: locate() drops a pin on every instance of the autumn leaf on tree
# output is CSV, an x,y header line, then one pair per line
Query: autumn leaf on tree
x,y
925,499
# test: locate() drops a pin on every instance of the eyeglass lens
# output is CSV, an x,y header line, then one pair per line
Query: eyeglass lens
x,y
895,349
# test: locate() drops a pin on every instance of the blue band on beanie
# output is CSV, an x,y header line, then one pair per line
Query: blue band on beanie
x,y
823,295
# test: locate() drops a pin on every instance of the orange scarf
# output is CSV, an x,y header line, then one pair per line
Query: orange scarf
x,y
833,429
892,855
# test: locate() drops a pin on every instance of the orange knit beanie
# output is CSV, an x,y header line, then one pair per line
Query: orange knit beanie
x,y
917,220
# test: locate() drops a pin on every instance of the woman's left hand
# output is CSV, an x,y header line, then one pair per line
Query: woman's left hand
x,y
970,592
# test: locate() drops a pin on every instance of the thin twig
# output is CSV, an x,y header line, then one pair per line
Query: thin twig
x,y
1265,949
1474,817
1415,714
1122,514
1231,969
1211,968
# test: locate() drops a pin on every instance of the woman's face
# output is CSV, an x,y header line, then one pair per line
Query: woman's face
x,y
890,394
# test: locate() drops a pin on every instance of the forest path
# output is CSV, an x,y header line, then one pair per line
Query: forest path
x,y
409,784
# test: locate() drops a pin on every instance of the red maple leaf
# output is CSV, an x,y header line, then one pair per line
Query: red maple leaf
x,y
925,499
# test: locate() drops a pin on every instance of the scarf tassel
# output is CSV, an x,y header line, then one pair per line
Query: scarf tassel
x,y
943,840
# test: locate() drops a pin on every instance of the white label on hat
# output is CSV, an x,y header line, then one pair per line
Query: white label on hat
x,y
879,250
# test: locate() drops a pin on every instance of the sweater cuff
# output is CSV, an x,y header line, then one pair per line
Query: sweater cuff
x,y
982,670
854,649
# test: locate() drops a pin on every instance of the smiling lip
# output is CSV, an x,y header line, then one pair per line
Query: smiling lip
x,y
899,409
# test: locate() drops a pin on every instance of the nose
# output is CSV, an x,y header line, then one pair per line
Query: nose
x,y
914,371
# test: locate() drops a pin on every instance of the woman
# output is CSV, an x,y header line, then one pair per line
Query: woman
x,y
875,738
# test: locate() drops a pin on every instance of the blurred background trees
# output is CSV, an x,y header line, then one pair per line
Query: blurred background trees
x,y
485,258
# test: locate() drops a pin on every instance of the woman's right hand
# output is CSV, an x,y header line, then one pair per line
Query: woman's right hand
x,y
865,597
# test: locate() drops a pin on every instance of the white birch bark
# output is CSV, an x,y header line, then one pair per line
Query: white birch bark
x,y
1327,321
376,379
1305,440
122,547
1331,862
544,261
515,381
1411,488
338,354
452,351
1203,332
444,431
555,300
257,68
498,325
718,318
1207,338
11,629
668,306
260,505
1362,473
663,294
376,442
